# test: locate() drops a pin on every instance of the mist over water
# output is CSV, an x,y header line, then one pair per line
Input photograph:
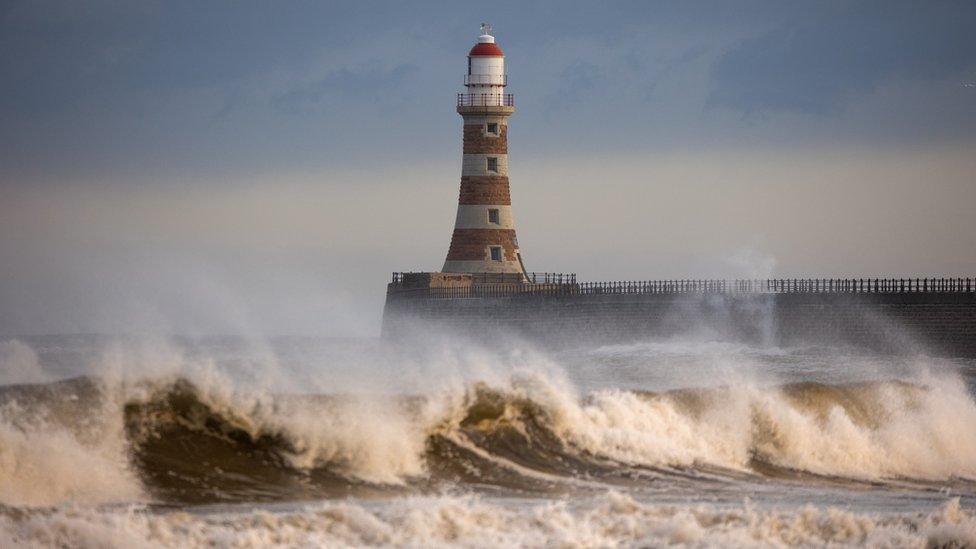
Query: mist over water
x,y
106,441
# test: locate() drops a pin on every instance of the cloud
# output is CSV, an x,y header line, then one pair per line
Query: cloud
x,y
369,82
813,64
576,81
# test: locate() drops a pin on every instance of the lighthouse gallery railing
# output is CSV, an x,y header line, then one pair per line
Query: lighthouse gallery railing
x,y
485,100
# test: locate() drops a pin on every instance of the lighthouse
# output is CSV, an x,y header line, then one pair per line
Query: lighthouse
x,y
484,230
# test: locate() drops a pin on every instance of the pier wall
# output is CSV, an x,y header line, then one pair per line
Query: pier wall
x,y
937,320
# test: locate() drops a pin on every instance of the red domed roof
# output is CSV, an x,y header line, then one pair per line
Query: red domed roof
x,y
486,49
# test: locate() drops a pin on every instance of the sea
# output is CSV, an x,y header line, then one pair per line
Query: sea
x,y
146,441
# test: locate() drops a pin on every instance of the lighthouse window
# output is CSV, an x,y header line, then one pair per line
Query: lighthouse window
x,y
496,253
493,216
492,164
493,128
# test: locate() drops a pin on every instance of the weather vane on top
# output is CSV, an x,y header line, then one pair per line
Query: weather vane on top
x,y
485,28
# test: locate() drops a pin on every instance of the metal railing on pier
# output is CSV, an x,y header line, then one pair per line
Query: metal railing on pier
x,y
551,278
786,285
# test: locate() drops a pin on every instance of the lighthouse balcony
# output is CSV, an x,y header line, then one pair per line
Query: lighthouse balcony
x,y
485,79
485,100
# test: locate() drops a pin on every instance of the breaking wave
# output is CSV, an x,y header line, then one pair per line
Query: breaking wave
x,y
176,441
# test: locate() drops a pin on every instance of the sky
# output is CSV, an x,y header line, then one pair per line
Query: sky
x,y
262,168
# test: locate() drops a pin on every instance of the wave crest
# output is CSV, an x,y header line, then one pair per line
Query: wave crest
x,y
189,442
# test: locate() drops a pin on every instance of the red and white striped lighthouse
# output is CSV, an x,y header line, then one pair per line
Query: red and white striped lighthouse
x,y
484,231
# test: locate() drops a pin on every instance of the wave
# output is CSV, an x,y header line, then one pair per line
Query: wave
x,y
176,441
63,442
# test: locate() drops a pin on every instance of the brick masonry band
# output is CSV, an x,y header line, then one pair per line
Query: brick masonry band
x,y
484,189
471,244
477,141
